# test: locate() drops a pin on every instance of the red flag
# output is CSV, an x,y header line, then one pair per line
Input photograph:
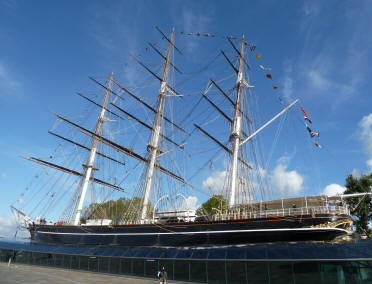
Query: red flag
x,y
306,117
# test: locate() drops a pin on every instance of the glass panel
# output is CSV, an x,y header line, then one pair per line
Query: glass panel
x,y
306,272
138,267
140,252
184,254
181,270
281,272
168,266
151,268
74,262
351,272
128,252
155,253
169,253
303,252
216,272
28,257
103,264
278,253
126,266
256,253
21,257
365,270
257,272
58,260
93,263
236,272
357,250
35,258
44,258
115,265
83,262
198,271
332,272
235,253
217,254
199,254
329,251
124,252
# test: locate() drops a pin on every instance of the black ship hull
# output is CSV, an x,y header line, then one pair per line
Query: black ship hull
x,y
240,231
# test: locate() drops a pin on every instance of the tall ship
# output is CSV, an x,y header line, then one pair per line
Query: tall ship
x,y
131,174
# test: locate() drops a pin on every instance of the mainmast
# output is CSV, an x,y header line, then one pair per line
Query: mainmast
x,y
236,129
92,155
154,140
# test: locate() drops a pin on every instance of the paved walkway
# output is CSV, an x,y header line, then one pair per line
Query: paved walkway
x,y
32,274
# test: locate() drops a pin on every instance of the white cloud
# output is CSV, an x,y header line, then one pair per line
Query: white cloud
x,y
195,20
9,86
333,189
318,80
356,173
310,8
287,182
191,203
215,183
365,136
4,175
8,227
288,88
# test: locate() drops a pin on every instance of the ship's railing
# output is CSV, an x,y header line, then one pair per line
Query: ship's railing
x,y
283,212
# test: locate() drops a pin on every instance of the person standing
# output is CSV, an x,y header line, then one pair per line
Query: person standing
x,y
162,275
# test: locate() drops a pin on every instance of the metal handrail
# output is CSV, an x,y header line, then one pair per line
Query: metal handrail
x,y
282,212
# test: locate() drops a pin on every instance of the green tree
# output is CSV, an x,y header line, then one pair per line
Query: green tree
x,y
214,205
119,210
361,207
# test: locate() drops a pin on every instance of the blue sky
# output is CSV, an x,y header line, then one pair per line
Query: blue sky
x,y
319,51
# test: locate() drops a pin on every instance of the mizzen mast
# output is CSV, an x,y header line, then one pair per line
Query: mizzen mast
x,y
92,155
236,128
153,146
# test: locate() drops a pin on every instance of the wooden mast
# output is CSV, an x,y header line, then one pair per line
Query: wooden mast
x,y
236,129
154,140
92,155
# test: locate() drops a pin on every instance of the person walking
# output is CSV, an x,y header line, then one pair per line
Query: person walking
x,y
162,275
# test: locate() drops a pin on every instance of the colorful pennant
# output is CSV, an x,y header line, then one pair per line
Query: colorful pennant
x,y
306,117
265,68
317,145
314,134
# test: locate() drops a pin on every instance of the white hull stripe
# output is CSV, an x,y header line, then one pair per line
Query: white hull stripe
x,y
199,232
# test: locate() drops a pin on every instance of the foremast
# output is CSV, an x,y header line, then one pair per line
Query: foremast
x,y
153,146
92,156
235,135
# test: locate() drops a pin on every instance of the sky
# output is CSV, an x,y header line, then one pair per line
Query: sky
x,y
320,52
